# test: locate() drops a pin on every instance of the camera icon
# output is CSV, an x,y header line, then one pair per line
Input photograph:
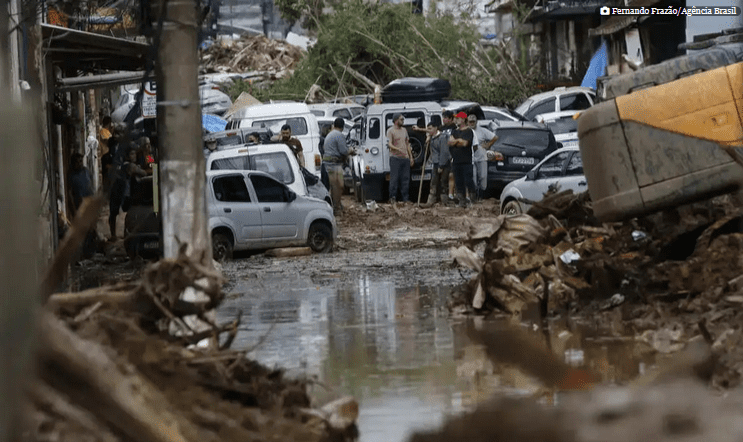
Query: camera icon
x,y
605,10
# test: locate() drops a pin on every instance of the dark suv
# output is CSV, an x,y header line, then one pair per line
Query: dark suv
x,y
520,146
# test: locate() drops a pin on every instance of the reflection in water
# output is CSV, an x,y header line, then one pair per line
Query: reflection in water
x,y
396,350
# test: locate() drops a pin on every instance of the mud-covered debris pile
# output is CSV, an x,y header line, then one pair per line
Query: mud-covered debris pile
x,y
146,361
271,58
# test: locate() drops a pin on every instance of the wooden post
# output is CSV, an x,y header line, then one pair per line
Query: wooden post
x,y
182,206
19,198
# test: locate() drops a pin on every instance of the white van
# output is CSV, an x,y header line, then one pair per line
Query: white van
x,y
276,160
273,116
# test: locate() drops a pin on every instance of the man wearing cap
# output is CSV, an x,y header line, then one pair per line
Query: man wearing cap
x,y
460,146
336,152
401,159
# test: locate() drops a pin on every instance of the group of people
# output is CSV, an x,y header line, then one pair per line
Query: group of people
x,y
457,147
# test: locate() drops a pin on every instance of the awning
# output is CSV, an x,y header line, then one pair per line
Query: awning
x,y
104,80
90,52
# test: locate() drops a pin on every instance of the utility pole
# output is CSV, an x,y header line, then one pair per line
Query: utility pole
x,y
181,163
19,199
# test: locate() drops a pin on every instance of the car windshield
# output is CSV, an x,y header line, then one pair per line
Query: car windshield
x,y
563,125
523,138
298,125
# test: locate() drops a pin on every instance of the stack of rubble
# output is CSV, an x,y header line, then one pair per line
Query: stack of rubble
x,y
266,58
145,360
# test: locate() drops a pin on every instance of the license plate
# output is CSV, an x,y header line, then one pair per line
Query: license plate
x,y
151,245
417,176
523,160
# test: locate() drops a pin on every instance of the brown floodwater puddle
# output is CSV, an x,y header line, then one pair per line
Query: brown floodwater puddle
x,y
399,351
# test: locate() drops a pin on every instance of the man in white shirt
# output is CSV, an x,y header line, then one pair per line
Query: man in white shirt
x,y
484,139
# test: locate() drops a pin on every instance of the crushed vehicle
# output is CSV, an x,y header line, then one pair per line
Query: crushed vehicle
x,y
252,210
273,116
560,170
275,159
559,99
374,155
520,146
666,135
564,126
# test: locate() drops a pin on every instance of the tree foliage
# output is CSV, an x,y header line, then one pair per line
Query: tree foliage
x,y
384,41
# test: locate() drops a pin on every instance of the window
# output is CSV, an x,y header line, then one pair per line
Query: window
x,y
574,102
269,190
411,118
343,113
229,140
318,113
298,125
374,129
545,106
553,166
563,125
234,163
231,188
275,164
523,138
575,165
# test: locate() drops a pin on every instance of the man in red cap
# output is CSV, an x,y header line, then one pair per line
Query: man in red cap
x,y
460,146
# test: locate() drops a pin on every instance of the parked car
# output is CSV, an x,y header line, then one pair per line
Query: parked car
x,y
559,99
273,116
348,112
252,210
520,146
275,159
562,169
564,126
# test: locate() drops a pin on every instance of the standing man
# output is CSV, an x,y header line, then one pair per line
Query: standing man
x,y
438,142
448,119
460,144
401,159
485,139
294,144
335,155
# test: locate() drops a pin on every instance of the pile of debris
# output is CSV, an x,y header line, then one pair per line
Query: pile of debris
x,y
665,278
263,57
145,360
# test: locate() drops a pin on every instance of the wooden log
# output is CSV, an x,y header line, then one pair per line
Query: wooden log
x,y
116,395
106,294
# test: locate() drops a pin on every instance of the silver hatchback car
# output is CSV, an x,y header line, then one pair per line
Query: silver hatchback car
x,y
252,210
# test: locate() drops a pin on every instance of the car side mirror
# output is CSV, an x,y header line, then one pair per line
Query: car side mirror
x,y
559,145
531,175
290,195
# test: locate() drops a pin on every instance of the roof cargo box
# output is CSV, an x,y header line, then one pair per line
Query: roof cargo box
x,y
411,89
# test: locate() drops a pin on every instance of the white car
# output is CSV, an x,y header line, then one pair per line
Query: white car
x,y
559,99
563,168
564,125
276,160
251,210
499,115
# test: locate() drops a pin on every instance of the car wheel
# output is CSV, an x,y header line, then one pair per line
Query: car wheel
x,y
512,208
221,247
320,238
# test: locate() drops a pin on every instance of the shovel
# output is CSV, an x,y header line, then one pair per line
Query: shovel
x,y
423,171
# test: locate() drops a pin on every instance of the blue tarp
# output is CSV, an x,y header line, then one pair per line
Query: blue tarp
x,y
213,123
597,67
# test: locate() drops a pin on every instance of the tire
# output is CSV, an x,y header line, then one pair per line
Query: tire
x,y
320,238
512,208
221,247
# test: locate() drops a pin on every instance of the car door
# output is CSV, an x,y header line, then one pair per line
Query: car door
x,y
235,205
281,219
550,172
574,178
